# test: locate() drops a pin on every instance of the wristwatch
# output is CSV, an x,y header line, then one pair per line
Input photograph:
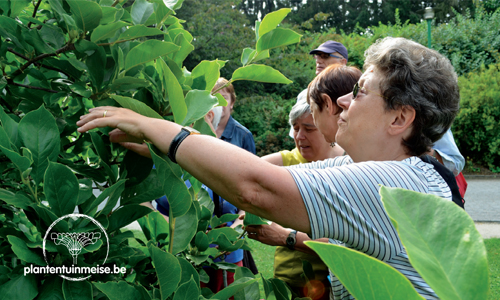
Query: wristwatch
x,y
291,240
176,142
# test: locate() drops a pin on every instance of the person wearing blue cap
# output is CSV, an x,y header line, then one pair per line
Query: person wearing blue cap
x,y
329,53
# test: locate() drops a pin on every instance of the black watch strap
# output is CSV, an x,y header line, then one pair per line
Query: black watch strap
x,y
291,240
176,142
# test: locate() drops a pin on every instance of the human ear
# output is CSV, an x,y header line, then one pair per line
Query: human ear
x,y
403,120
329,106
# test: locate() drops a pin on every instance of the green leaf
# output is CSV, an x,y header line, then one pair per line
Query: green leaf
x,y
128,84
234,288
247,55
87,14
106,31
278,37
17,200
51,289
17,7
173,186
205,75
229,232
174,90
9,30
259,73
20,287
23,252
168,271
173,4
100,148
138,31
442,243
188,272
118,290
60,189
250,292
185,229
141,11
149,189
199,103
113,192
138,167
137,106
126,215
187,291
185,49
223,219
251,219
39,133
364,276
77,290
21,162
148,51
10,127
201,241
153,225
271,20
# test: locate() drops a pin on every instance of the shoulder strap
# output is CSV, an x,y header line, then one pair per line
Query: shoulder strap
x,y
448,177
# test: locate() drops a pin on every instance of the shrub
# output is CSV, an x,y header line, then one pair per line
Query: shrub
x,y
477,128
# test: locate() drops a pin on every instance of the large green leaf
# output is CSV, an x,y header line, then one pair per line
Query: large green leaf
x,y
199,103
10,127
188,272
136,106
153,225
173,89
51,289
18,199
9,30
17,7
185,49
215,221
87,14
167,269
21,162
173,186
251,219
278,37
442,243
149,189
61,189
138,167
271,20
187,291
205,75
20,287
259,73
185,229
126,215
23,252
120,290
77,290
138,31
128,83
39,133
173,4
106,31
235,287
364,276
250,292
112,193
141,11
148,51
247,55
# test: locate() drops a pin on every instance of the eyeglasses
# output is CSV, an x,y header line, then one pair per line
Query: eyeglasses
x,y
325,55
357,88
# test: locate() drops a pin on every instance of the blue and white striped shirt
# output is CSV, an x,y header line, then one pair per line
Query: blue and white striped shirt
x,y
343,204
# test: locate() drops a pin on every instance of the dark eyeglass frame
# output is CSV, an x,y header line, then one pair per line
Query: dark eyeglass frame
x,y
326,55
356,88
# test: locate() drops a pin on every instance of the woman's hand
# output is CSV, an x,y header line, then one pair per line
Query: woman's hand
x,y
273,235
127,123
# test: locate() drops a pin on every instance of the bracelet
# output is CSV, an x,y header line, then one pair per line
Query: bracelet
x,y
176,142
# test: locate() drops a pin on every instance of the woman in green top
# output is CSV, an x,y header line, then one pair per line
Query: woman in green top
x,y
310,146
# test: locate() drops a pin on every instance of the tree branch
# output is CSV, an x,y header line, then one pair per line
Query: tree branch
x,y
10,81
67,47
35,9
38,64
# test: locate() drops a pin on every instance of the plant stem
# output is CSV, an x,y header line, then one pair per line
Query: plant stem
x,y
171,225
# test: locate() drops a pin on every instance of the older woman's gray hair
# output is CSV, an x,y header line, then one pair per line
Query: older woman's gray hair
x,y
422,78
298,110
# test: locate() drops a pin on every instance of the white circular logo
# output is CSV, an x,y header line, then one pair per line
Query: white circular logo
x,y
75,242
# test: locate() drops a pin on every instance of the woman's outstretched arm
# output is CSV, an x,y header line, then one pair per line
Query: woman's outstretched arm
x,y
238,176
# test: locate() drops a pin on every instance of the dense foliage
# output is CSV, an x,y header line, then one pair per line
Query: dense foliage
x,y
60,58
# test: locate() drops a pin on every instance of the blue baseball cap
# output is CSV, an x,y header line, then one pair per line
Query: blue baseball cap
x,y
331,47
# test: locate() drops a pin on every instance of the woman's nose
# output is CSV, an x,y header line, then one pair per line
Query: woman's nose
x,y
345,101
